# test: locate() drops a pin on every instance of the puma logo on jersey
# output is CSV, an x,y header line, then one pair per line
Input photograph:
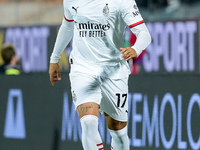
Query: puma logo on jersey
x,y
75,8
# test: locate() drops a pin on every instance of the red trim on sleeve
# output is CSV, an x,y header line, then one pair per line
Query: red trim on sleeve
x,y
135,24
100,144
68,19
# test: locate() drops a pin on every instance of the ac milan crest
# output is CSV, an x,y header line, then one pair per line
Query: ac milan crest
x,y
106,10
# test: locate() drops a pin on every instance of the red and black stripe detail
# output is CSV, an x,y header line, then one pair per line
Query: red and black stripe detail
x,y
68,19
135,24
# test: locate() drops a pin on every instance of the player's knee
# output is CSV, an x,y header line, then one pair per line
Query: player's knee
x,y
119,133
120,139
89,122
114,124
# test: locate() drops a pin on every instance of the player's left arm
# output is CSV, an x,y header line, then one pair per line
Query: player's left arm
x,y
142,41
132,17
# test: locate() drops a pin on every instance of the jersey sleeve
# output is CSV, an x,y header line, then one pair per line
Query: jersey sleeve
x,y
130,13
67,15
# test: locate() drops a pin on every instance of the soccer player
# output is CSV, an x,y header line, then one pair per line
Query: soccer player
x,y
99,69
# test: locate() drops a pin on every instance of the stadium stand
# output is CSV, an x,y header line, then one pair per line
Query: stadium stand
x,y
29,12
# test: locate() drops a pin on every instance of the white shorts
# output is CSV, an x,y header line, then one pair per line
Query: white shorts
x,y
110,94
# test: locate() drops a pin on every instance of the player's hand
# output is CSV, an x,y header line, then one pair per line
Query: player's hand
x,y
128,53
54,73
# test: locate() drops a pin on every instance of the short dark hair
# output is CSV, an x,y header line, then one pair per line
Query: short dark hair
x,y
7,52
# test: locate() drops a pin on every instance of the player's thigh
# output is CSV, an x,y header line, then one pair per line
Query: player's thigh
x,y
86,93
115,99
89,108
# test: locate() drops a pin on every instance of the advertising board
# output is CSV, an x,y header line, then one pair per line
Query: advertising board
x,y
163,113
174,48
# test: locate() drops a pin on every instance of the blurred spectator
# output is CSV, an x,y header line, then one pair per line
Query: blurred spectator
x,y
155,4
11,60
172,5
152,4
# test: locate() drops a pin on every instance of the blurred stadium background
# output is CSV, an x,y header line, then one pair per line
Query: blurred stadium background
x,y
164,96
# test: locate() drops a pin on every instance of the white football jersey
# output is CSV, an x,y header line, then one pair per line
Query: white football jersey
x,y
99,34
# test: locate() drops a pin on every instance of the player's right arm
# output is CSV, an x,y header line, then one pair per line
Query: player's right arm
x,y
64,36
